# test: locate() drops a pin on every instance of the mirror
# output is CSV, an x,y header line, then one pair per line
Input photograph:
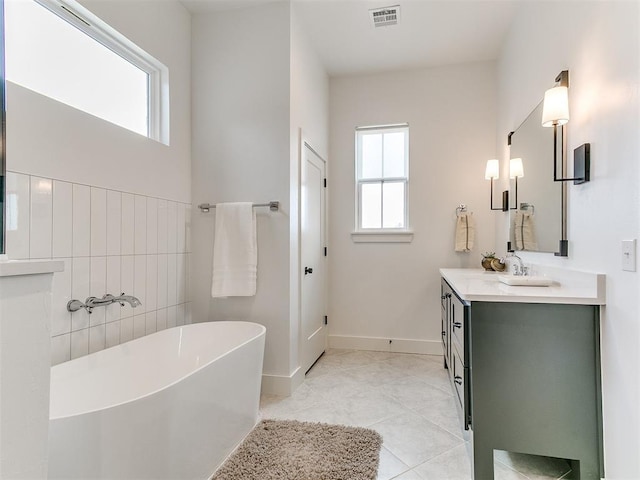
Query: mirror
x,y
2,132
536,220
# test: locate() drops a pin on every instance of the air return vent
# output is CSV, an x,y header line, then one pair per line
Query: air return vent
x,y
386,16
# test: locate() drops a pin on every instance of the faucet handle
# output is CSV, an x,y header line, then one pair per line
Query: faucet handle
x,y
525,271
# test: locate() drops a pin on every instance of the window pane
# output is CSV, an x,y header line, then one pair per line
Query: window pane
x,y
48,55
393,208
394,155
371,156
371,206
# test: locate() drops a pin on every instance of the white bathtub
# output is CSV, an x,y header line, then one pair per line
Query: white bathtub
x,y
171,405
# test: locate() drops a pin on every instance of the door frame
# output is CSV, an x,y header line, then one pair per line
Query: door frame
x,y
303,142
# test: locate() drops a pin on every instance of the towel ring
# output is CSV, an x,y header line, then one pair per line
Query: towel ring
x,y
462,208
527,207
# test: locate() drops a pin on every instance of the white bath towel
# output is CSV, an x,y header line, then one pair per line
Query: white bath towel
x,y
524,234
465,232
235,251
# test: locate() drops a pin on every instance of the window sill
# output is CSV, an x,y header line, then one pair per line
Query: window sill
x,y
382,236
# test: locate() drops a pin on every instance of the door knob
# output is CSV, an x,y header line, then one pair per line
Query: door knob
x,y
308,270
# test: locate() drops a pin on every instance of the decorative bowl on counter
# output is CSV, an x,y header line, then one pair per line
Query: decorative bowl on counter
x,y
487,258
498,265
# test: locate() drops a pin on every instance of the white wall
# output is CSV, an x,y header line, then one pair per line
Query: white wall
x,y
598,43
256,83
112,204
241,153
391,291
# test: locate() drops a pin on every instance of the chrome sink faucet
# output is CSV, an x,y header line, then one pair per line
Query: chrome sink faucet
x,y
518,269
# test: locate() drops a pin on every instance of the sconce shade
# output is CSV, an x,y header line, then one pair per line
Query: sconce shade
x,y
555,110
516,169
493,170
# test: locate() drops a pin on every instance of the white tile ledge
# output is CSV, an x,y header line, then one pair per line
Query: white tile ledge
x,y
12,268
382,236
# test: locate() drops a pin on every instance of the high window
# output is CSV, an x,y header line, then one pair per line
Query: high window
x,y
382,177
61,50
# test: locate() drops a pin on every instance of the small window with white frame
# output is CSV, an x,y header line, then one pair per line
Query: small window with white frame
x,y
382,178
61,50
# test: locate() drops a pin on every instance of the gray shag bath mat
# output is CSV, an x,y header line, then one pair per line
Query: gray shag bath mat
x,y
290,450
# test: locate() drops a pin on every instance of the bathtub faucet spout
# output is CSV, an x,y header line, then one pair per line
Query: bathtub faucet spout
x,y
130,299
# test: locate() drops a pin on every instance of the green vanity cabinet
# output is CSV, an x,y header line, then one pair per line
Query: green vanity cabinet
x,y
526,378
455,317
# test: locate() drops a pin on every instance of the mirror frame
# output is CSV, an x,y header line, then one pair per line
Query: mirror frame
x,y
563,245
3,116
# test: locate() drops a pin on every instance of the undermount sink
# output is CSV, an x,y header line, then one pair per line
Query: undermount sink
x,y
525,280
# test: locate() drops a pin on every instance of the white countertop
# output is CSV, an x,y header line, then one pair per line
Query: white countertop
x,y
569,287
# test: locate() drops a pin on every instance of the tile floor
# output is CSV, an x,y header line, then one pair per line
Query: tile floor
x,y
408,400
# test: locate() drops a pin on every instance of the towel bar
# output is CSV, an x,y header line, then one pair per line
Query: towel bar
x,y
273,206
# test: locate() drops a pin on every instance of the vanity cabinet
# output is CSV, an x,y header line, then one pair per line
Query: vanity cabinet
x,y
454,318
526,378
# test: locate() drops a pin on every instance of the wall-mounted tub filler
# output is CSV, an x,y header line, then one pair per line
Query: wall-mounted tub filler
x,y
92,302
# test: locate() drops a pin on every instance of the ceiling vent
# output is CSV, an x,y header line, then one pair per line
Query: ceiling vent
x,y
386,16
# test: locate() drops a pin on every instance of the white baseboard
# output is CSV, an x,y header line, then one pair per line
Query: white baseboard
x,y
282,385
396,345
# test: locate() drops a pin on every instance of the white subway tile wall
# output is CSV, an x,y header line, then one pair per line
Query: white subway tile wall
x,y
18,206
41,232
62,228
110,242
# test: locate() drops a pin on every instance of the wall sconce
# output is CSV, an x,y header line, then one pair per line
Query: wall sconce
x,y
491,173
516,170
555,113
555,110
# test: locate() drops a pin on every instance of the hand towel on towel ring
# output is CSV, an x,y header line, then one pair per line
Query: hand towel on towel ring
x,y
465,232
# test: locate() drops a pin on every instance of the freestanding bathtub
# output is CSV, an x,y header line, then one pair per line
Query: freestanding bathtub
x,y
171,405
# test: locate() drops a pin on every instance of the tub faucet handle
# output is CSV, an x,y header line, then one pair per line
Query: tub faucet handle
x,y
75,305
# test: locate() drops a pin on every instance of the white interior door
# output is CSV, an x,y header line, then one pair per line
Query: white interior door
x,y
313,330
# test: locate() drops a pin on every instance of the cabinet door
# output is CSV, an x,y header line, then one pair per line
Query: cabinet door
x,y
445,316
458,316
460,378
